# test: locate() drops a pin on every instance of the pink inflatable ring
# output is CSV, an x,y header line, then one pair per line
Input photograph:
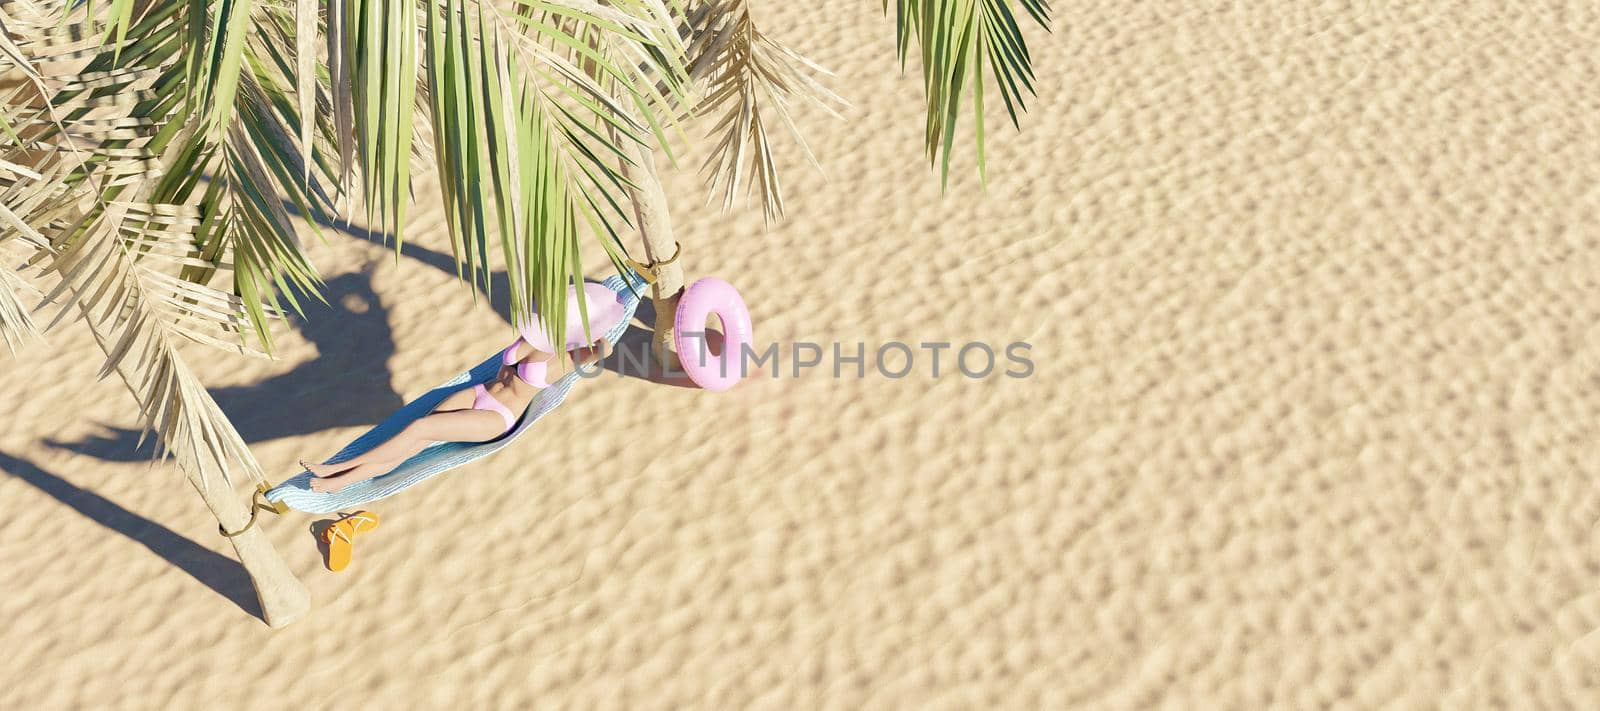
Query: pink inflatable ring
x,y
702,299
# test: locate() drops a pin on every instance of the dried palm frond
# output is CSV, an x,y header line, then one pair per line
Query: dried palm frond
x,y
743,74
111,273
99,167
16,326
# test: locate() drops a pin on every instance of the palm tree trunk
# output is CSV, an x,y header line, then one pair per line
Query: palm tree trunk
x,y
283,597
655,228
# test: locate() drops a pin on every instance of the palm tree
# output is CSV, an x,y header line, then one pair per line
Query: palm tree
x,y
155,154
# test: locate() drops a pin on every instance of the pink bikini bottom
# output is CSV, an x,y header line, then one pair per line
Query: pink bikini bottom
x,y
485,401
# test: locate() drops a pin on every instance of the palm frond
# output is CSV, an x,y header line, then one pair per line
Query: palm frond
x,y
134,194
378,56
219,59
956,38
107,264
531,107
16,326
305,56
745,75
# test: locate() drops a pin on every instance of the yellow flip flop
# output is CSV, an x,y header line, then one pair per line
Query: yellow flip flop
x,y
341,535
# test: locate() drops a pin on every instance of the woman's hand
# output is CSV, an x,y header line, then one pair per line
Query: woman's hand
x,y
595,353
577,357
532,355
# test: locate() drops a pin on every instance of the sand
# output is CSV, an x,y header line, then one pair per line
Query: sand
x,y
1311,291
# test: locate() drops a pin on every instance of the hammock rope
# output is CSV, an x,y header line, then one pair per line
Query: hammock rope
x,y
651,271
258,503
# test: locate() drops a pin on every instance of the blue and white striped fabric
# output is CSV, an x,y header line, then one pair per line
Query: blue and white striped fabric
x,y
444,456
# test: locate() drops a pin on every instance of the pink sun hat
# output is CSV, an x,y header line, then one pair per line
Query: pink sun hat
x,y
605,310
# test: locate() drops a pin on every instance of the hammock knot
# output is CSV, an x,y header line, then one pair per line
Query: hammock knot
x,y
258,503
651,270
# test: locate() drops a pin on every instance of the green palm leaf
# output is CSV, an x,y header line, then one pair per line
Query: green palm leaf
x,y
531,108
957,38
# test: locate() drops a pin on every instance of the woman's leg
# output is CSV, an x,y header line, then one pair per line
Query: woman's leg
x,y
351,476
454,426
458,400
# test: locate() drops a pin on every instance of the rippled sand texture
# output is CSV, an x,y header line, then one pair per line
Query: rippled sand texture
x,y
1312,292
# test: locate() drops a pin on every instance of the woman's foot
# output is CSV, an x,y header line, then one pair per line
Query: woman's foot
x,y
322,471
329,484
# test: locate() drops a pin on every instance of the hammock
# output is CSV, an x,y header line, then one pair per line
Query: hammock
x,y
296,493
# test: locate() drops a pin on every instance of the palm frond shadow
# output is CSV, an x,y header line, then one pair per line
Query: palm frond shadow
x,y
634,359
347,384
216,571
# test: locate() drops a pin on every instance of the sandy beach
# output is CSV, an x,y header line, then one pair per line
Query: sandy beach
x,y
1310,293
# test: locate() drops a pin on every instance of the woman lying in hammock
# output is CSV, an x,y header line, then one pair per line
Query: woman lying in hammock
x,y
477,414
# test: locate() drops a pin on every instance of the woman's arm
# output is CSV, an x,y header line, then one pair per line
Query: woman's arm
x,y
591,354
528,354
576,357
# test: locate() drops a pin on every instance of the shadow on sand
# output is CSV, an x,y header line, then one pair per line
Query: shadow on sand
x,y
347,384
220,573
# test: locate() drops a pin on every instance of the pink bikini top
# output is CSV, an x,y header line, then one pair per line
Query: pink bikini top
x,y
530,373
